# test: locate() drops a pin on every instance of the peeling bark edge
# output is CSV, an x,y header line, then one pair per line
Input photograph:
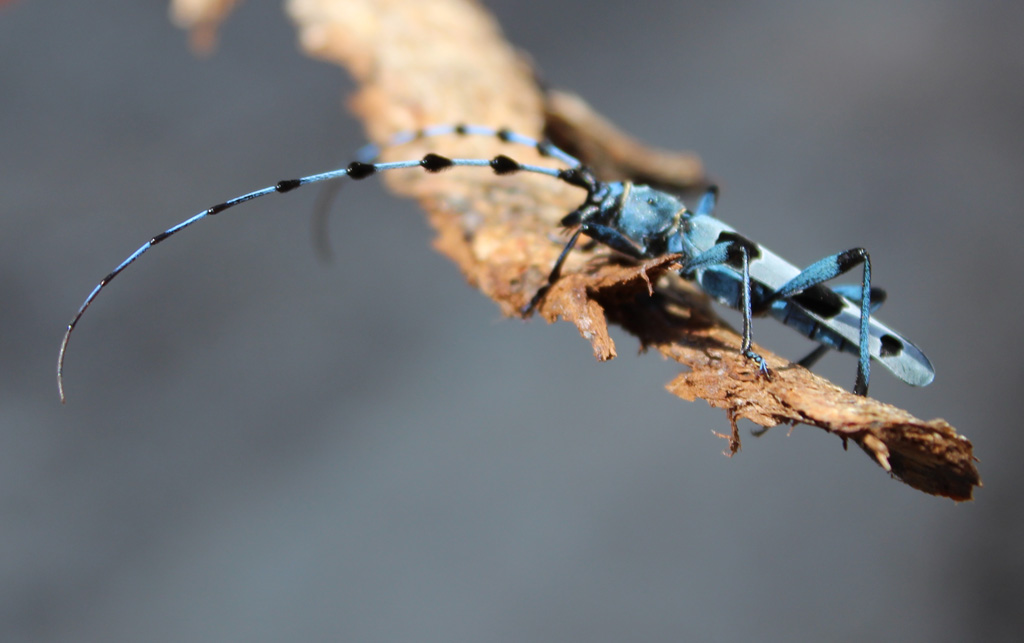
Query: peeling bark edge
x,y
419,63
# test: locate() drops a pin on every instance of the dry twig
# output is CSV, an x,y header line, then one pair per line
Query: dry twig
x,y
445,61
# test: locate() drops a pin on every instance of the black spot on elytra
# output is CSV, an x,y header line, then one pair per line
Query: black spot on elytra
x,y
890,346
877,296
820,300
735,259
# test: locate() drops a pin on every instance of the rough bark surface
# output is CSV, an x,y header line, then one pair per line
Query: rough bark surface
x,y
445,61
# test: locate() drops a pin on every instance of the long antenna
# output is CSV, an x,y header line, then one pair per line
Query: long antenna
x,y
500,164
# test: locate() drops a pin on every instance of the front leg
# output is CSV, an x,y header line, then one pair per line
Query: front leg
x,y
598,233
556,272
736,255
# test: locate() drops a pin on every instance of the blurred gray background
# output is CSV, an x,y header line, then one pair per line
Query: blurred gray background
x,y
258,446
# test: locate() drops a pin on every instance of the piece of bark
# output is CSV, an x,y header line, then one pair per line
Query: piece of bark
x,y
201,18
575,127
445,61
